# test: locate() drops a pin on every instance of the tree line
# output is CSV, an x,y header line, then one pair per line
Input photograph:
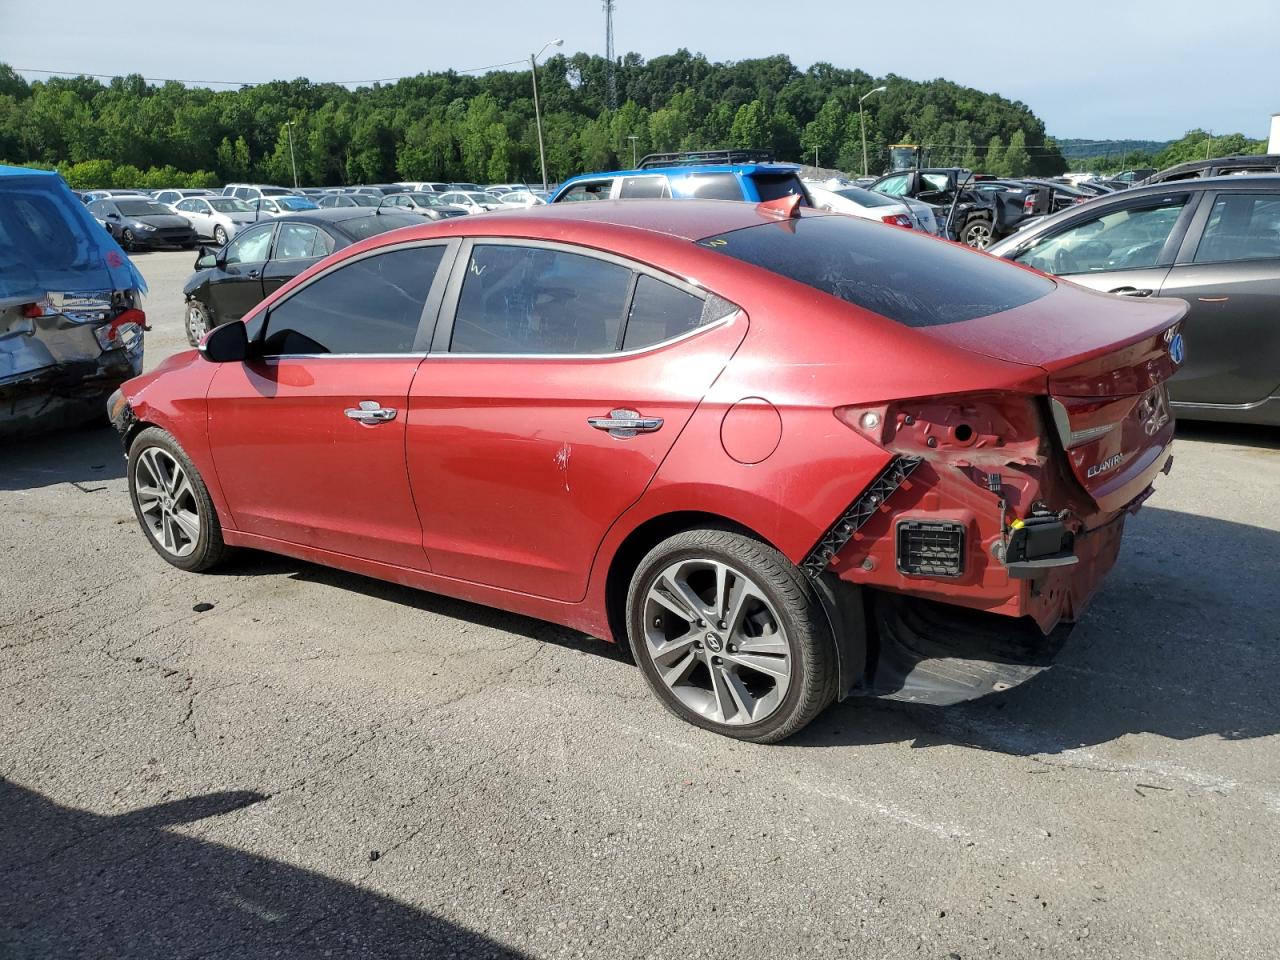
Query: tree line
x,y
449,126
1194,145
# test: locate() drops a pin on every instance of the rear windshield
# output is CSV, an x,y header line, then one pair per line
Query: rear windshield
x,y
865,198
916,281
774,186
362,227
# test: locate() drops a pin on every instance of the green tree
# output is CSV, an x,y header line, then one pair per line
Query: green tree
x,y
994,162
1017,162
750,128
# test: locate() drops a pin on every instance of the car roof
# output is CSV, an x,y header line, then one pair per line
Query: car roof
x,y
1250,181
1236,159
688,170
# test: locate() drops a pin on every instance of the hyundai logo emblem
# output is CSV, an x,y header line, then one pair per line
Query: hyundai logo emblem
x,y
1177,352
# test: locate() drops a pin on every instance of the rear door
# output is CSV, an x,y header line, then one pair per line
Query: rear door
x,y
1229,272
239,289
309,437
515,467
296,247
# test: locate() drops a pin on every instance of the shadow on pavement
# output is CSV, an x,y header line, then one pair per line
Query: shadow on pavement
x,y
1234,434
1182,641
81,455
76,884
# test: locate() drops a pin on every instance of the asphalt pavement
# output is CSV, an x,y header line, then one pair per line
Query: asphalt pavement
x,y
282,760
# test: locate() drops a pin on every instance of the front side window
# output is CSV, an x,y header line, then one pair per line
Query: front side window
x,y
188,206
644,188
300,241
1241,227
371,305
588,190
531,300
250,247
1127,239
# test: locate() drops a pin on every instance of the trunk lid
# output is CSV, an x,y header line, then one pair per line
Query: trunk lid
x,y
1107,360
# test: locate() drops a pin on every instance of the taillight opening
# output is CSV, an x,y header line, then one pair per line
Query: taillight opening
x,y
898,220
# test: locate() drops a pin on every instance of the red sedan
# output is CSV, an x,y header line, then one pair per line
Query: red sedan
x,y
787,456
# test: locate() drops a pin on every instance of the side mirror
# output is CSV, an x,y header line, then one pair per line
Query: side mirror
x,y
205,259
228,343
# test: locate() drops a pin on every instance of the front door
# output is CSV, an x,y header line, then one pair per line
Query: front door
x,y
238,287
1230,275
297,246
309,436
553,392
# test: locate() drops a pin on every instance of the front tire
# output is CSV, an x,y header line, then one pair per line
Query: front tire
x,y
172,504
730,636
197,322
127,240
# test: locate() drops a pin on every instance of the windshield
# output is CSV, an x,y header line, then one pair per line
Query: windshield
x,y
230,205
482,198
141,208
363,200
915,281
296,203
362,227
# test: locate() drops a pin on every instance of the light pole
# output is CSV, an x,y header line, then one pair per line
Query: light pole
x,y
862,122
537,111
633,151
292,164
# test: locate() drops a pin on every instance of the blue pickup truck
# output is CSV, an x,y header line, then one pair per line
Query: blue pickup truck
x,y
709,175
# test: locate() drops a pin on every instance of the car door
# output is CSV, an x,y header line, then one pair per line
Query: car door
x,y
309,436
239,288
296,247
1228,270
515,468
1124,248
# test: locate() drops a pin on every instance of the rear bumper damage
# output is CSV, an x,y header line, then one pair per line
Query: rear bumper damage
x,y
938,595
55,371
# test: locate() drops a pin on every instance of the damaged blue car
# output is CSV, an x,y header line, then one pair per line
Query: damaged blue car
x,y
71,323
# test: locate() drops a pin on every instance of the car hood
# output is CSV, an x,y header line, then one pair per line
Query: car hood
x,y
160,220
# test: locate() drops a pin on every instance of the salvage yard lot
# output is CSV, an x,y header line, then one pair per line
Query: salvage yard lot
x,y
313,763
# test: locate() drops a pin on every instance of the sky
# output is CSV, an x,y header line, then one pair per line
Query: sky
x,y
1133,69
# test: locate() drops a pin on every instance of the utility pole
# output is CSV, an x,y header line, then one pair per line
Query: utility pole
x,y
1207,144
633,151
611,82
862,122
537,110
292,164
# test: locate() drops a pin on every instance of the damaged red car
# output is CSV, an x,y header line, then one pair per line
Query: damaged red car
x,y
788,457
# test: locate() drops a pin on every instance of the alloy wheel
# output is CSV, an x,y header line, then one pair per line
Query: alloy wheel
x,y
978,236
220,236
197,323
717,642
126,239
167,501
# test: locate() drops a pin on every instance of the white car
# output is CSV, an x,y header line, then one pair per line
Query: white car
x,y
216,218
429,205
424,186
277,206
473,201
898,211
522,198
170,197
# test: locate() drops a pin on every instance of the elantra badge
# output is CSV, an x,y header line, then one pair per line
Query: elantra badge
x,y
1104,466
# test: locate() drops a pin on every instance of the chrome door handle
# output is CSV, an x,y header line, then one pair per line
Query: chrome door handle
x,y
625,424
1131,292
370,412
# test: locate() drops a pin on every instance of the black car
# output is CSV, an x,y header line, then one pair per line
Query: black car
x,y
1214,243
140,223
1218,167
976,217
230,281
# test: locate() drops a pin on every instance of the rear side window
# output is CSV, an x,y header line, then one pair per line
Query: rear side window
x,y
530,300
372,305
913,280
711,186
1241,227
659,312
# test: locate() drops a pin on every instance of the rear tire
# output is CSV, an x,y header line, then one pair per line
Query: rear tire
x,y
220,235
172,504
731,636
977,233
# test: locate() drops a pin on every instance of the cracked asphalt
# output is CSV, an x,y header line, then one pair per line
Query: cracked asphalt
x,y
322,765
